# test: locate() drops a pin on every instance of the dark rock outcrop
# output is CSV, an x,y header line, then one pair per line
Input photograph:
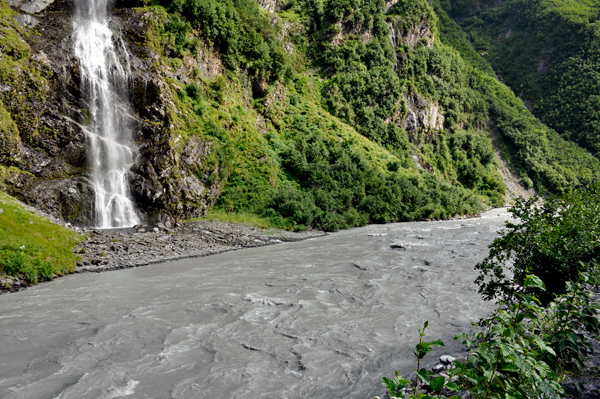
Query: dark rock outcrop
x,y
50,147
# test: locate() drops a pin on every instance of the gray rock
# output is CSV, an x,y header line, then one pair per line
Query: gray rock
x,y
27,20
160,225
447,359
438,368
35,6
156,229
141,230
1,211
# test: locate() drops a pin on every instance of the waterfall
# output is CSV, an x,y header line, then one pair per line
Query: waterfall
x,y
104,69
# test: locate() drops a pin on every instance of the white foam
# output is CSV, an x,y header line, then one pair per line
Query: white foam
x,y
119,392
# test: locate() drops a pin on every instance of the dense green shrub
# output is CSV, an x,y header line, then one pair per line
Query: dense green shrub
x,y
521,351
508,358
238,29
335,187
555,239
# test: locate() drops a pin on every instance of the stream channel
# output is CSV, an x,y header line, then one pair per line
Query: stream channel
x,y
321,318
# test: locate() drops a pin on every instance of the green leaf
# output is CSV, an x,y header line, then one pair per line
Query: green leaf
x,y
425,375
453,386
437,383
510,367
387,382
532,281
461,336
438,343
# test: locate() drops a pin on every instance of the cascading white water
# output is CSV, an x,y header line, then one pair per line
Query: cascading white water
x,y
104,92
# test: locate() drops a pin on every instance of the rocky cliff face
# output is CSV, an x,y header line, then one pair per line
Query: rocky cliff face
x,y
48,147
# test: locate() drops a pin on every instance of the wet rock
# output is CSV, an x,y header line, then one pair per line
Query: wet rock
x,y
168,182
438,368
65,199
447,359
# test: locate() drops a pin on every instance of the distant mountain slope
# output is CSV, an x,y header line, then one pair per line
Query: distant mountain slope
x,y
548,52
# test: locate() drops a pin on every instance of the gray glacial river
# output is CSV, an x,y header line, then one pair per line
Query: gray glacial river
x,y
322,318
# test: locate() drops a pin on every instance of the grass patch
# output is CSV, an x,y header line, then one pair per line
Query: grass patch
x,y
32,245
243,217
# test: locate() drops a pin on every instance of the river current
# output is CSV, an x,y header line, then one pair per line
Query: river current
x,y
322,318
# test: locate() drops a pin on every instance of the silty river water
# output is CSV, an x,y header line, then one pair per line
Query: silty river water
x,y
322,318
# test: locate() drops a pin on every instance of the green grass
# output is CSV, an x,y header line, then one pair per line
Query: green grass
x,y
32,245
243,217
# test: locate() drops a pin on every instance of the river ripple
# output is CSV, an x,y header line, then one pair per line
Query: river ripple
x,y
322,318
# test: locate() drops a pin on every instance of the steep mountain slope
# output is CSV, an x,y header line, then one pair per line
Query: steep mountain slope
x,y
547,51
312,114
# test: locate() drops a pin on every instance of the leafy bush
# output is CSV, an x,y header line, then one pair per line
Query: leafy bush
x,y
396,387
520,351
335,187
506,360
566,320
554,239
237,28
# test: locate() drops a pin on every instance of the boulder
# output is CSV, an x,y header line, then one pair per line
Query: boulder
x,y
438,368
447,359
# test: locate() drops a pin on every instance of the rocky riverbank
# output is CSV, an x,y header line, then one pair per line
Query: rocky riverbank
x,y
104,250
124,248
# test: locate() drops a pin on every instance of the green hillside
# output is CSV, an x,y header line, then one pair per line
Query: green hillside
x,y
547,52
317,114
345,76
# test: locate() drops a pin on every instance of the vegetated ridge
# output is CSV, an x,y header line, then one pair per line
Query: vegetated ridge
x,y
310,114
